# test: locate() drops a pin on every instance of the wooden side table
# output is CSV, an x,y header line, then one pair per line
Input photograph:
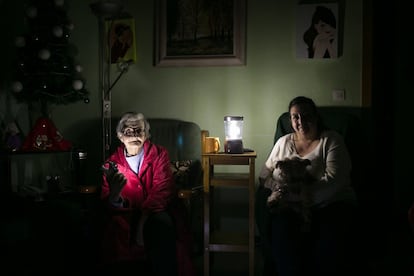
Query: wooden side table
x,y
217,241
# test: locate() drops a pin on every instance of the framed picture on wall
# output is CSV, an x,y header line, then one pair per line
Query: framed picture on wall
x,y
121,44
199,33
317,31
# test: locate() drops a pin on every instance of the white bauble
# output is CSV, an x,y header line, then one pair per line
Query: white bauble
x,y
44,54
31,12
20,41
17,87
58,31
70,26
59,3
78,68
77,84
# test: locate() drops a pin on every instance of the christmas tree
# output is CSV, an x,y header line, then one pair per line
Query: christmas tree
x,y
46,71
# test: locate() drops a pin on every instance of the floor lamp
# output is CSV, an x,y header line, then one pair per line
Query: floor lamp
x,y
106,11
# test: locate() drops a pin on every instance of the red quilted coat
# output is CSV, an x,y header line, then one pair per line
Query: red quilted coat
x,y
152,190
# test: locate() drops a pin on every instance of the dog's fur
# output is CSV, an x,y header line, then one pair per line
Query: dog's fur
x,y
293,192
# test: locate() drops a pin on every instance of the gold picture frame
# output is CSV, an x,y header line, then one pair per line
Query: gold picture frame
x,y
210,36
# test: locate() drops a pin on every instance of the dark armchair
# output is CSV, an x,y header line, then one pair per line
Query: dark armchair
x,y
347,123
182,139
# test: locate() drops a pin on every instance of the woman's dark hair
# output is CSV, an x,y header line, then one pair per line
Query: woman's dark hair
x,y
324,14
305,101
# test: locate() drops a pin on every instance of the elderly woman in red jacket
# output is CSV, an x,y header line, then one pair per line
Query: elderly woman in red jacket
x,y
145,217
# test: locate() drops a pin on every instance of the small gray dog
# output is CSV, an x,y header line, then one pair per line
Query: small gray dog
x,y
293,192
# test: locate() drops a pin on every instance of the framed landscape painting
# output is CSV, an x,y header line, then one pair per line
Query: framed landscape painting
x,y
199,33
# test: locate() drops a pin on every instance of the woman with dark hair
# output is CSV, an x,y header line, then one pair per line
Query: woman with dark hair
x,y
321,35
320,248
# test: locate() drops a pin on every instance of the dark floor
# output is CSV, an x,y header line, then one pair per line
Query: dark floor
x,y
385,250
392,257
229,264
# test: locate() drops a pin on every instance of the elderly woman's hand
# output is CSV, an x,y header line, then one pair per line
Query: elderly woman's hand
x,y
116,182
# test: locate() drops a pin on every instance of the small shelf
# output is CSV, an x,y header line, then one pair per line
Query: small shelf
x,y
229,241
219,241
230,179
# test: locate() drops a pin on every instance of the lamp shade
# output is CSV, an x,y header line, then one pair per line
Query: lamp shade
x,y
233,129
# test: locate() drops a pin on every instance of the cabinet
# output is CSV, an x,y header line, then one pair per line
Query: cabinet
x,y
37,173
47,214
28,172
215,240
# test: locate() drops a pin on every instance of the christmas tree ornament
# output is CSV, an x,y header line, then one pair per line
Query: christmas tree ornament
x,y
58,31
70,26
17,87
31,12
20,42
59,3
44,54
77,84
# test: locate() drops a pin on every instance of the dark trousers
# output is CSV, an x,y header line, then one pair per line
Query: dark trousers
x,y
160,243
321,250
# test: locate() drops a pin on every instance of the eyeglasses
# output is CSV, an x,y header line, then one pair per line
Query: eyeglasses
x,y
133,132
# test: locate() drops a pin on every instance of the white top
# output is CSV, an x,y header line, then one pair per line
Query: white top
x,y
330,166
135,161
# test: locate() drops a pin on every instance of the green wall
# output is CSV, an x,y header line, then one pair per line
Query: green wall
x,y
259,91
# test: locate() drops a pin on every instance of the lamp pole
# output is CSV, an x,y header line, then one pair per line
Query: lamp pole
x,y
105,10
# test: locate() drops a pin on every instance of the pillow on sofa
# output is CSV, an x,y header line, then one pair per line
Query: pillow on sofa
x,y
187,173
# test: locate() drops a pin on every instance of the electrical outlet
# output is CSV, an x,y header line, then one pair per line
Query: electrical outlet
x,y
338,95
